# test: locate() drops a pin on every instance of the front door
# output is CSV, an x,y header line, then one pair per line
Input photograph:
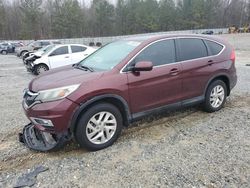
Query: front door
x,y
60,57
160,86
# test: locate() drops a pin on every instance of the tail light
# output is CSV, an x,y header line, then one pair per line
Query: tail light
x,y
233,56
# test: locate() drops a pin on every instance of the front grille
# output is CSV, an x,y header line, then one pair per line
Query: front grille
x,y
29,97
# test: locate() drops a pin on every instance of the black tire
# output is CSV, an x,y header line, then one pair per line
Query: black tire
x,y
4,52
81,135
21,54
40,69
207,106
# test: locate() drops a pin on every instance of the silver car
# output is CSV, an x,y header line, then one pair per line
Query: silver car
x,y
35,45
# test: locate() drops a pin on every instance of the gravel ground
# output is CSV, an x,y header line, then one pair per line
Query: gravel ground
x,y
186,148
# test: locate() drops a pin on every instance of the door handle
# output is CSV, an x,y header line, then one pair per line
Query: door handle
x,y
210,62
174,71
66,57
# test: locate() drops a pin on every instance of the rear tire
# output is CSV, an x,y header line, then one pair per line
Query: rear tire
x,y
99,127
215,96
40,69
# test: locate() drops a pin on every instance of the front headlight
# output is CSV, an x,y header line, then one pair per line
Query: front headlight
x,y
56,94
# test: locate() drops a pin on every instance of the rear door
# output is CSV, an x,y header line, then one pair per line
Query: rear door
x,y
60,57
196,66
162,85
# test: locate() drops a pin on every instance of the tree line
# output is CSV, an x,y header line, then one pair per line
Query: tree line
x,y
36,19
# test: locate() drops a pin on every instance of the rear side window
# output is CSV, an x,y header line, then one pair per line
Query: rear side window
x,y
191,48
56,42
60,51
76,49
214,48
37,44
45,43
159,53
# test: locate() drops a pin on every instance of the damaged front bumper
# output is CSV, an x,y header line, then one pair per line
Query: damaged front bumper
x,y
29,66
38,140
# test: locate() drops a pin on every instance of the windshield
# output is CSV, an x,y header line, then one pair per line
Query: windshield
x,y
31,43
46,49
110,55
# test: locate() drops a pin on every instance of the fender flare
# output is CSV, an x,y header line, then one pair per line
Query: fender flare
x,y
216,76
91,101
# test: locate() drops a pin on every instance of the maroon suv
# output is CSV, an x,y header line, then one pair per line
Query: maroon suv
x,y
122,82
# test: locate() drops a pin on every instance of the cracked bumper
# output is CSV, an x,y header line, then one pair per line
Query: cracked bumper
x,y
38,140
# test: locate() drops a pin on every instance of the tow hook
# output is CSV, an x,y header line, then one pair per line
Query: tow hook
x,y
37,140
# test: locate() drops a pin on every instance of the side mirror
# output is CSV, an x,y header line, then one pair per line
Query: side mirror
x,y
142,66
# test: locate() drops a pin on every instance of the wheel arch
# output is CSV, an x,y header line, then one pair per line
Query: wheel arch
x,y
113,99
23,52
36,65
224,78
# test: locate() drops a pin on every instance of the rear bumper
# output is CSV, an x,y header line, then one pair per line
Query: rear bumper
x,y
233,82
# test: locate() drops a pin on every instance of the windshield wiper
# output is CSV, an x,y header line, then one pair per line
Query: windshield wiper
x,y
84,67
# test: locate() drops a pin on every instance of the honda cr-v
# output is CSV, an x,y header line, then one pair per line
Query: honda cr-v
x,y
122,82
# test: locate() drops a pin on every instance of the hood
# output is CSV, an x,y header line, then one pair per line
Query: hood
x,y
62,77
38,53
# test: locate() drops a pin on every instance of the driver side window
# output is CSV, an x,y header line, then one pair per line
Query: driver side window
x,y
60,51
159,53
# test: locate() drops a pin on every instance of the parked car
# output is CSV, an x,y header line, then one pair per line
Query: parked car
x,y
35,45
209,32
7,47
31,56
58,56
4,48
125,81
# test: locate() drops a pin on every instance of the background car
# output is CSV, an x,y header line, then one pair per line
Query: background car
x,y
58,56
209,32
9,47
37,54
35,45
4,48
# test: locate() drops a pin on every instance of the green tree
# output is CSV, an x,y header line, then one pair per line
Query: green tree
x,y
121,13
31,14
147,17
168,15
2,20
104,12
67,18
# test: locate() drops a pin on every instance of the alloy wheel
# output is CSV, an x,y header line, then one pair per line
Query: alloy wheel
x,y
217,96
101,127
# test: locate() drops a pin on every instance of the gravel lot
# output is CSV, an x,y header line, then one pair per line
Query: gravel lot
x,y
186,148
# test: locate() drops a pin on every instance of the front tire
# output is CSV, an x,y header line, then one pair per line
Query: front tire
x,y
4,52
39,69
99,127
215,97
22,53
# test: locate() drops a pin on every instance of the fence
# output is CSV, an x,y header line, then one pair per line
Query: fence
x,y
105,40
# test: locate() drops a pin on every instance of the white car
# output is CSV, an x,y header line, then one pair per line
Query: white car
x,y
60,55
